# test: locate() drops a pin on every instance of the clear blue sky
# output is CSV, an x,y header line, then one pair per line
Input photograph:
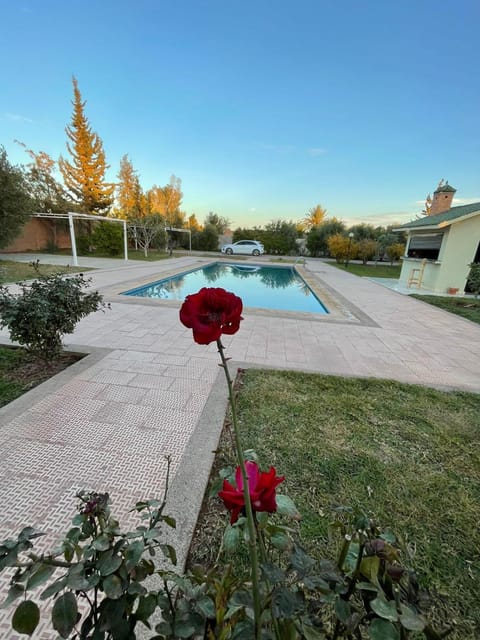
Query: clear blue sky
x,y
263,108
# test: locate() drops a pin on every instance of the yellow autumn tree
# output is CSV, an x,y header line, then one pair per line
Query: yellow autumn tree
x,y
316,216
193,223
130,200
166,201
84,177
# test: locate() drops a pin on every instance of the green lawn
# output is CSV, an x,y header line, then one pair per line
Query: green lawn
x,y
379,270
466,307
12,271
407,455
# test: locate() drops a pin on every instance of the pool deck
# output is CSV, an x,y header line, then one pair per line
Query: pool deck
x,y
146,390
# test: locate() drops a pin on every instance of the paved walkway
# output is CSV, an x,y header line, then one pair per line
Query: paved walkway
x,y
147,391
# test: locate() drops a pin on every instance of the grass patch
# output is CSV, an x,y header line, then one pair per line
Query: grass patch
x,y
407,455
466,307
12,271
20,371
371,270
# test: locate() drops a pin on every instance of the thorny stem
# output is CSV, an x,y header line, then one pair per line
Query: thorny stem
x,y
246,496
154,521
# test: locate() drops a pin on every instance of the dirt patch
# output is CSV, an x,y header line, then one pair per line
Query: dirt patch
x,y
20,371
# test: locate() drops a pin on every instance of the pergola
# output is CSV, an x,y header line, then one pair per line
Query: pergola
x,y
70,216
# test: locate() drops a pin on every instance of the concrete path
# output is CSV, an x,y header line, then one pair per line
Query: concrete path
x,y
147,390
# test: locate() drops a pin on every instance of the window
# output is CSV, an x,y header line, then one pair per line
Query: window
x,y
425,245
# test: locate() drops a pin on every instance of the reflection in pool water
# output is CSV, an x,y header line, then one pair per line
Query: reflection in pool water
x,y
258,286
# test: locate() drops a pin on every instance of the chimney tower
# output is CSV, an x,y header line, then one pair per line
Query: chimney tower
x,y
442,198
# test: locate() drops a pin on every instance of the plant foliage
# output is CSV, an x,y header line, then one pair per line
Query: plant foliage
x,y
45,310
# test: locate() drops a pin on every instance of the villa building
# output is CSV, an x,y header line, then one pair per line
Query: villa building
x,y
440,246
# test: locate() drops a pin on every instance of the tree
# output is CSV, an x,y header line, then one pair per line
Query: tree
x,y
193,223
85,176
207,239
16,204
363,231
366,250
317,239
48,194
395,251
130,198
219,222
279,237
166,201
316,216
146,230
341,247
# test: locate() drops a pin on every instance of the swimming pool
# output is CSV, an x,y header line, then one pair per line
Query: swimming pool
x,y
262,287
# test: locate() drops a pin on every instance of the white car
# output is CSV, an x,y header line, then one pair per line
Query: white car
x,y
248,247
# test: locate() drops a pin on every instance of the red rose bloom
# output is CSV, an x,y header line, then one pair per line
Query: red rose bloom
x,y
261,487
211,312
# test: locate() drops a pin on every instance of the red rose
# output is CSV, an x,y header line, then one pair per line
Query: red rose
x,y
211,312
261,487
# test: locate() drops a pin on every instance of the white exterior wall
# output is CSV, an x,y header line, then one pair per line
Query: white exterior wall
x,y
459,252
459,244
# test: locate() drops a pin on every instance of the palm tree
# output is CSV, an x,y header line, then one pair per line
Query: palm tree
x,y
316,216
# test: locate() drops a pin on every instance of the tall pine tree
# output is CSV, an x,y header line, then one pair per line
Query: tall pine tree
x,y
84,177
129,192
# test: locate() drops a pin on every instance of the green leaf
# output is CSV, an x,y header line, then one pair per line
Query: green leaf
x,y
342,609
383,630
14,592
41,575
108,563
272,573
171,522
54,588
146,606
369,567
310,633
102,543
285,602
385,608
183,629
64,614
133,553
169,552
280,540
411,620
76,579
231,538
286,507
26,617
112,585
206,607
301,561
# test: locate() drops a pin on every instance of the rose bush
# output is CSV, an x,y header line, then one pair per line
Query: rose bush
x,y
366,594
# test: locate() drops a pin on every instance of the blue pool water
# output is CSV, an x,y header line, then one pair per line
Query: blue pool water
x,y
264,287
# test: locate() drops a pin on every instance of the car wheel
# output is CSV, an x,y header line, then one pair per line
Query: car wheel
x,y
255,252
229,252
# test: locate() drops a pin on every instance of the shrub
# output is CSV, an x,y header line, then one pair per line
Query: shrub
x,y
366,250
474,278
108,238
341,247
395,251
45,310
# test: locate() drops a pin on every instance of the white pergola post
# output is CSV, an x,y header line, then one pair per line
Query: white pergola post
x,y
125,244
72,239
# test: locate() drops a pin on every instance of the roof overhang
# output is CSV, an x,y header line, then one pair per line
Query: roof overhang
x,y
437,227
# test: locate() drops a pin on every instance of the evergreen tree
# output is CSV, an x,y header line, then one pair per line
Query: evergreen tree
x,y
15,202
130,199
85,176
